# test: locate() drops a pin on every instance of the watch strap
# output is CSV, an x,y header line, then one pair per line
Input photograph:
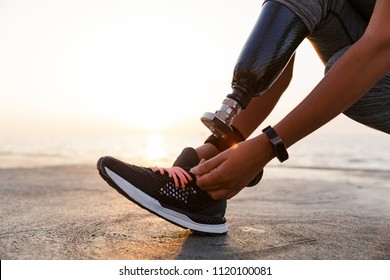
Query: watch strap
x,y
279,147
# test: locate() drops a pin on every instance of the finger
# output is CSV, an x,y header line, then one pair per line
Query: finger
x,y
210,181
205,167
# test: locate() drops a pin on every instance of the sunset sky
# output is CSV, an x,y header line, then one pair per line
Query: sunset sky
x,y
86,65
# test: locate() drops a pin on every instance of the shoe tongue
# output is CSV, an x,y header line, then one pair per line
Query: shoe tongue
x,y
187,159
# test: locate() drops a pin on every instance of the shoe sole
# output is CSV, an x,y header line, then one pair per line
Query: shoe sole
x,y
153,205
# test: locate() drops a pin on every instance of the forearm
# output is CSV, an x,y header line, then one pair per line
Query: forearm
x,y
349,79
261,106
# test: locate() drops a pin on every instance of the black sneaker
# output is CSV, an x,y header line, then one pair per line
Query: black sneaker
x,y
170,193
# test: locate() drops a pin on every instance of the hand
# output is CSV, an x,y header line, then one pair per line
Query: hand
x,y
226,174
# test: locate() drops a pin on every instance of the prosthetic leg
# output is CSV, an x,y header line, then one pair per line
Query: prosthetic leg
x,y
272,43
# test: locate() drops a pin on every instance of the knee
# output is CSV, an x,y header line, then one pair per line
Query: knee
x,y
334,58
312,13
373,108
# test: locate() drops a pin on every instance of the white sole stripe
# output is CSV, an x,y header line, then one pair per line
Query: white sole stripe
x,y
155,206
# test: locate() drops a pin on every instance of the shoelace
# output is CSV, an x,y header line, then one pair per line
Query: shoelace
x,y
179,175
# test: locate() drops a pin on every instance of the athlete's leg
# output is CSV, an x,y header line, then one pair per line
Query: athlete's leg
x,y
261,106
270,46
332,25
257,111
263,57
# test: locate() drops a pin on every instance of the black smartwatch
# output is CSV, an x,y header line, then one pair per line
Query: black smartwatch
x,y
280,149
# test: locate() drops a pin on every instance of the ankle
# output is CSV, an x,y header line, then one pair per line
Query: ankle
x,y
207,151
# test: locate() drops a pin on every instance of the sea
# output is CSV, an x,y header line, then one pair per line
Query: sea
x,y
369,150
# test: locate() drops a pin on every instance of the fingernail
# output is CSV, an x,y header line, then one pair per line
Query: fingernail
x,y
194,170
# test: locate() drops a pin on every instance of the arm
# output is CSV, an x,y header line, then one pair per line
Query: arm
x,y
343,85
226,174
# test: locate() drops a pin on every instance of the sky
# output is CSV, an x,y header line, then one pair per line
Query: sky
x,y
123,65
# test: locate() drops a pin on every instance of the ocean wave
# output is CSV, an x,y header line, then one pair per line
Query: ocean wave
x,y
30,154
335,168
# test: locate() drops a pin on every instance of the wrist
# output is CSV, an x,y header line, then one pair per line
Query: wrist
x,y
262,149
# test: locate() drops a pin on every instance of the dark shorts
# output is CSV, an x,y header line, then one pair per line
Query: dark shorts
x,y
335,25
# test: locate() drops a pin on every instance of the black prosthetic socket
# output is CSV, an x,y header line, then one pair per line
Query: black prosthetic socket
x,y
273,41
223,143
270,46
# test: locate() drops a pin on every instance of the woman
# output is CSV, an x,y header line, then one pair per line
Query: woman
x,y
353,40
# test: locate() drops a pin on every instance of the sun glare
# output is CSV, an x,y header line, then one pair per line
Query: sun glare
x,y
154,148
147,81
